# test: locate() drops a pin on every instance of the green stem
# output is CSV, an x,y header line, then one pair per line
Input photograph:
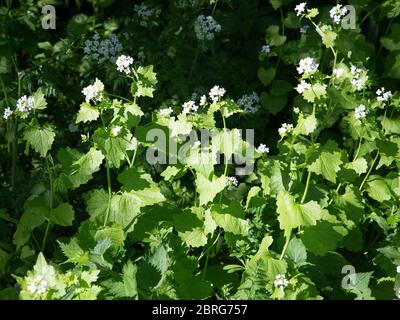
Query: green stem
x,y
194,63
108,178
358,149
285,246
307,187
215,7
369,171
50,203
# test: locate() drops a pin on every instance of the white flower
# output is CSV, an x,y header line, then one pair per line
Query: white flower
x,y
189,106
360,77
337,12
360,112
304,28
281,281
303,85
338,72
103,49
37,285
266,49
262,148
216,93
94,91
24,104
307,66
232,181
206,27
398,269
249,102
203,100
7,113
285,128
166,112
123,64
134,143
116,130
300,8
383,95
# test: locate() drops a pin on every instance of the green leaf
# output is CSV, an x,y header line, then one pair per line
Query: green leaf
x,y
317,91
296,251
323,237
62,215
306,125
327,161
207,189
74,252
40,139
273,37
328,36
293,215
273,104
230,218
39,101
266,75
378,189
146,83
87,113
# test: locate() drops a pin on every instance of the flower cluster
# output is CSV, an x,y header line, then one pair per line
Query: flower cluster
x,y
94,91
307,66
338,72
232,181
203,100
206,27
189,106
337,13
281,281
360,77
145,13
300,8
360,112
37,285
262,148
103,49
25,104
7,113
285,128
303,85
383,95
116,130
165,112
249,102
216,93
123,64
266,49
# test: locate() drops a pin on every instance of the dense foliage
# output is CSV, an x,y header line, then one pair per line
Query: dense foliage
x,y
85,214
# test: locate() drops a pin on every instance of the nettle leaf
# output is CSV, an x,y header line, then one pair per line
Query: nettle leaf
x,y
74,252
114,232
127,288
39,101
173,172
306,124
391,125
293,215
326,161
87,113
361,286
146,84
41,139
231,218
359,165
273,104
208,189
